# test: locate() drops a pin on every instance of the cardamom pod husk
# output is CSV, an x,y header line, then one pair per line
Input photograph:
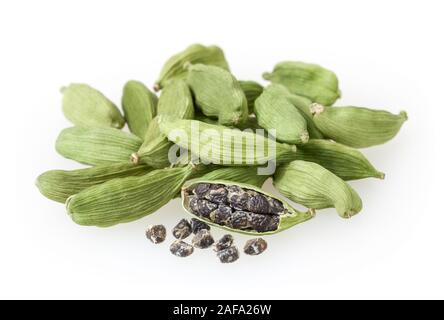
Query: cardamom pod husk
x,y
313,186
127,199
252,91
221,145
357,127
239,207
217,93
85,106
96,146
59,185
176,100
139,107
274,111
196,53
246,175
308,80
345,162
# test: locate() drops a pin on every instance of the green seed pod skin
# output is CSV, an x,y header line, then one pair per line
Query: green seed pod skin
x,y
196,53
245,175
154,149
139,107
126,199
59,185
85,106
345,162
218,94
308,80
303,105
357,127
97,146
313,186
222,147
274,111
176,100
291,217
252,91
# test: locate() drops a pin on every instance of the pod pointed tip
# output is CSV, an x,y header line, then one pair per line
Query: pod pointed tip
x,y
134,158
266,75
381,175
404,115
156,87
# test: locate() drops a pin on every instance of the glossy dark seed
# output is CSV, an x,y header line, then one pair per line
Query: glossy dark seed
x,y
225,242
276,206
256,246
222,215
239,201
263,223
182,229
239,220
156,234
258,204
181,249
201,189
217,194
203,239
193,204
228,255
205,207
197,225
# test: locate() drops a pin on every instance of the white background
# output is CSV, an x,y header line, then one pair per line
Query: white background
x,y
387,54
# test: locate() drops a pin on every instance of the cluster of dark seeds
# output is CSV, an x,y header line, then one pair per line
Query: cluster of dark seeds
x,y
156,234
224,247
235,207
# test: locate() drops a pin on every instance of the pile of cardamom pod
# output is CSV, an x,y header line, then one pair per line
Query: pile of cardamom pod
x,y
132,175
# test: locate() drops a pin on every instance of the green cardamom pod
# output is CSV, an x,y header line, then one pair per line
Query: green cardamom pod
x,y
313,186
221,145
59,185
239,207
345,162
126,199
308,80
154,150
357,127
176,100
96,146
196,53
247,175
252,91
217,93
139,107
303,105
274,111
250,123
85,106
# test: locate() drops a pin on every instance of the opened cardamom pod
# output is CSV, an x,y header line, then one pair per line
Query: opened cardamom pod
x,y
239,208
